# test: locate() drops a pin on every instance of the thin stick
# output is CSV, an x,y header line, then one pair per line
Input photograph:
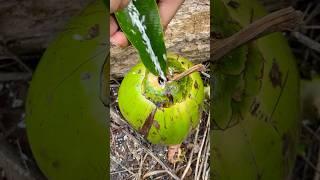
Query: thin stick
x,y
305,40
121,171
205,171
116,161
195,68
311,27
21,155
152,173
283,19
311,131
115,117
310,163
15,77
184,165
201,147
313,14
141,165
204,160
16,58
192,151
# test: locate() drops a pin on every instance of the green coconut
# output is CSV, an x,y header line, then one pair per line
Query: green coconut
x,y
164,112
65,116
255,100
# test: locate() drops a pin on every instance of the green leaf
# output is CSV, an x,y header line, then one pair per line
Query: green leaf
x,y
140,21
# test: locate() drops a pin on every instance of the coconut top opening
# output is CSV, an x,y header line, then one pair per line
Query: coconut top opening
x,y
165,94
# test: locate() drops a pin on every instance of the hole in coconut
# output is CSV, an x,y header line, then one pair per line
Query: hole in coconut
x,y
161,81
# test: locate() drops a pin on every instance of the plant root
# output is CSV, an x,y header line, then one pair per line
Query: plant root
x,y
174,152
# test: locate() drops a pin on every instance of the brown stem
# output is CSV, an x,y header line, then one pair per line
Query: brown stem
x,y
198,67
281,20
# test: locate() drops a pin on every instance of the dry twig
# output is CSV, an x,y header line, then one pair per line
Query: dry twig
x,y
192,151
15,76
152,173
305,40
198,67
283,19
204,141
116,161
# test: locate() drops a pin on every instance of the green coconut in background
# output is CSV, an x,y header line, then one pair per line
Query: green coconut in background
x,y
65,113
255,94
